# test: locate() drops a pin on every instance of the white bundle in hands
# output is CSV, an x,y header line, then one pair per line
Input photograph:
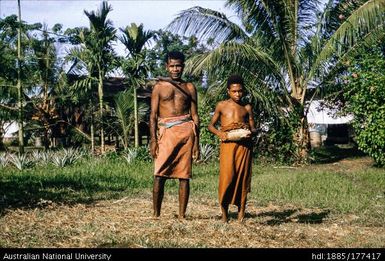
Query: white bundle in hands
x,y
238,134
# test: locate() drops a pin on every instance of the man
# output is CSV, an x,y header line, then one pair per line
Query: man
x,y
174,126
237,127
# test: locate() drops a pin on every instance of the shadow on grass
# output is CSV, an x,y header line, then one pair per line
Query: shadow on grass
x,y
34,192
278,217
334,153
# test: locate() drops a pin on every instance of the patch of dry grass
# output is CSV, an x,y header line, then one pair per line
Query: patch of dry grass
x,y
128,223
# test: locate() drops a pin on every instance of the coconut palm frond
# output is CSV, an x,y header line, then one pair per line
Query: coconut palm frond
x,y
371,39
207,24
234,57
365,19
135,38
124,112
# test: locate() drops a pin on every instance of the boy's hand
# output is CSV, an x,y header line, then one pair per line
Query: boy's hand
x,y
222,136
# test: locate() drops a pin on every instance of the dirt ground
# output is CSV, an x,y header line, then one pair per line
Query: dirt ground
x,y
128,223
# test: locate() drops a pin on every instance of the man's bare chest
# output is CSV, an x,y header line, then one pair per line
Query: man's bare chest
x,y
180,94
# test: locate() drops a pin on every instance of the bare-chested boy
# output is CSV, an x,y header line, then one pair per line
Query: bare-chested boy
x,y
235,153
174,126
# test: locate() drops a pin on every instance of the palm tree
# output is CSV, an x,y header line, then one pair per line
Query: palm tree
x,y
46,74
125,116
280,44
19,85
14,80
134,39
96,54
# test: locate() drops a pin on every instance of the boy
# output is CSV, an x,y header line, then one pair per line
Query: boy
x,y
235,154
174,127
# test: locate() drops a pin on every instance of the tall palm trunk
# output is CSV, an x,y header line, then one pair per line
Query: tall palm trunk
x,y
100,92
92,129
2,147
301,138
136,122
19,86
301,134
46,104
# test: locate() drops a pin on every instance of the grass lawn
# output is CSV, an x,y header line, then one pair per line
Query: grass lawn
x,y
106,202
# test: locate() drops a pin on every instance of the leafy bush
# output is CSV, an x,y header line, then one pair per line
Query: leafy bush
x,y
205,136
275,142
3,160
20,161
137,154
208,153
365,99
66,157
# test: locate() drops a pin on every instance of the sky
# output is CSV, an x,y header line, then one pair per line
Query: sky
x,y
154,14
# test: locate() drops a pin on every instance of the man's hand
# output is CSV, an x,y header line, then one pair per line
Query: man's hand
x,y
196,153
154,149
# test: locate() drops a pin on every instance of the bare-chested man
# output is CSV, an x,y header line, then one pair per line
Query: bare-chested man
x,y
237,127
174,126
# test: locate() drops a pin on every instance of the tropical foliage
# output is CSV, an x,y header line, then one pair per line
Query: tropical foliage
x,y
288,53
96,55
364,98
135,38
283,46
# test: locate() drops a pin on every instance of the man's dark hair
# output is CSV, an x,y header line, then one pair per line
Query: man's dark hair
x,y
175,55
233,79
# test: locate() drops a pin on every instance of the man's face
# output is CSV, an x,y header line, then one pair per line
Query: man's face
x,y
175,69
235,92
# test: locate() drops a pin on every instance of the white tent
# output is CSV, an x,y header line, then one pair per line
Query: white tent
x,y
319,115
10,129
321,119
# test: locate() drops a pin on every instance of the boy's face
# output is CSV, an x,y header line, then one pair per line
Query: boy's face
x,y
235,92
175,69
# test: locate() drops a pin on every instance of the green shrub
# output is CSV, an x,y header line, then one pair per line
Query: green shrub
x,y
365,99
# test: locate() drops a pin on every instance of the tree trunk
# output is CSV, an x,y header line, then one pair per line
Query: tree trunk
x,y
100,91
136,123
2,147
46,140
301,134
302,141
92,130
19,86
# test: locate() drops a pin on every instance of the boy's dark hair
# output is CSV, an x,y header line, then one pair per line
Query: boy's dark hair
x,y
175,55
233,79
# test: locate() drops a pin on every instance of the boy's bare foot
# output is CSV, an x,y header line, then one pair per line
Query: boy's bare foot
x,y
241,214
241,217
225,217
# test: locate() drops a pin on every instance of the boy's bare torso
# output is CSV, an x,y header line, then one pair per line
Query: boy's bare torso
x,y
232,112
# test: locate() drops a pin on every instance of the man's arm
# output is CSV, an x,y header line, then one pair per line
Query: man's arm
x,y
195,118
154,121
194,105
